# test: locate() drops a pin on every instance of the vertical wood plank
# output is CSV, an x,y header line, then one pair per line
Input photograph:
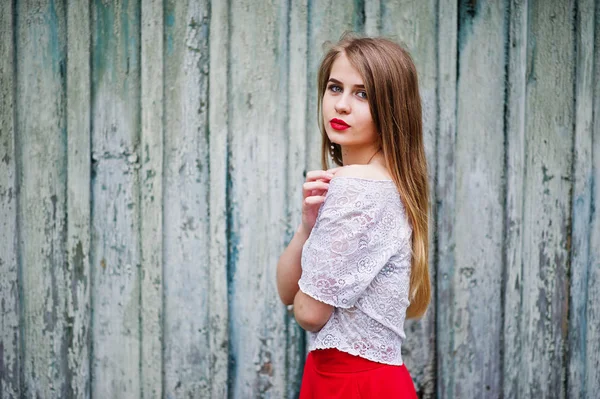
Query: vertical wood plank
x,y
41,151
548,133
296,166
581,212
373,13
446,194
10,334
258,72
218,141
327,20
479,231
78,315
151,197
187,286
115,254
592,339
414,25
515,190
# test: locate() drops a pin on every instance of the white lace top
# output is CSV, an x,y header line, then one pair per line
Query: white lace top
x,y
357,259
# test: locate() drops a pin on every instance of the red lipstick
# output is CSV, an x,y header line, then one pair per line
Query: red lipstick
x,y
338,124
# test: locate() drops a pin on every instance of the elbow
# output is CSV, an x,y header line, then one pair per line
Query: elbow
x,y
286,290
310,314
286,298
308,323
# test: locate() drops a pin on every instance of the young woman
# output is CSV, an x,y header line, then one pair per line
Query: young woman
x,y
357,266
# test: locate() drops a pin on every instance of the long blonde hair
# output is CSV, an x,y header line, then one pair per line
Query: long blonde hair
x,y
392,87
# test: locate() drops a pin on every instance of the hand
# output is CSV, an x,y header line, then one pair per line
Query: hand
x,y
313,192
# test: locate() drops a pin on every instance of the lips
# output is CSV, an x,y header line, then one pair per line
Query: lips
x,y
338,124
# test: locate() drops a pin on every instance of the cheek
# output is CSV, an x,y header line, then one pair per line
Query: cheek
x,y
366,120
326,104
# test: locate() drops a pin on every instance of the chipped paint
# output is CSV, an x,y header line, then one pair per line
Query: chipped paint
x,y
147,189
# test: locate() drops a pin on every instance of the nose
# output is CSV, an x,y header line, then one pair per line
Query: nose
x,y
342,105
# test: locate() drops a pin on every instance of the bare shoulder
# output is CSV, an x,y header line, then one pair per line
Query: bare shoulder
x,y
372,172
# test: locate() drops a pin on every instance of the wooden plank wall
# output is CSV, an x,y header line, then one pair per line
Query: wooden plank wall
x,y
151,161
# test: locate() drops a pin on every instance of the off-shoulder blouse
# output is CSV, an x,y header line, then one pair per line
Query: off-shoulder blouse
x,y
357,259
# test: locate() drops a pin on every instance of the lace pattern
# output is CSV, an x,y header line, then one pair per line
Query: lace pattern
x,y
357,259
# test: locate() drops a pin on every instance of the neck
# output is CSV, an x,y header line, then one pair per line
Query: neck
x,y
359,156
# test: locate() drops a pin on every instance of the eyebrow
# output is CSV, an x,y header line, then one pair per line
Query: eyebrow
x,y
332,80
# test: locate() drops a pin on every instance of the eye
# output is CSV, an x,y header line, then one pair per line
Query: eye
x,y
334,88
362,94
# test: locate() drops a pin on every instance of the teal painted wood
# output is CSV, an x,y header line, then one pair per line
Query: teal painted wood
x,y
414,25
296,129
151,206
41,144
218,107
592,354
256,200
116,246
591,331
446,194
135,179
10,308
78,273
476,308
186,201
515,190
327,20
581,267
548,102
372,12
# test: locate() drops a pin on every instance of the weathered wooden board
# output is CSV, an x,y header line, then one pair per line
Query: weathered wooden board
x,y
592,316
372,17
581,211
445,192
41,145
219,122
115,249
151,206
592,331
515,176
186,202
297,92
327,20
537,323
10,334
592,365
413,24
218,127
78,276
476,306
257,203
149,271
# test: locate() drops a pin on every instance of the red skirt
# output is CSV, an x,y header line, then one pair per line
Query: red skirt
x,y
329,373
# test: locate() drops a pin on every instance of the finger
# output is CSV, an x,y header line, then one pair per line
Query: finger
x,y
318,174
308,187
314,200
334,170
318,192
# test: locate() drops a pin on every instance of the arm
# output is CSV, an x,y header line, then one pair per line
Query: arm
x,y
289,269
310,313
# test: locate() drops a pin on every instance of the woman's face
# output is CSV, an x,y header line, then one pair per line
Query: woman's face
x,y
346,113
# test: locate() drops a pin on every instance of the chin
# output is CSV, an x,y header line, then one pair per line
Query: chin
x,y
336,137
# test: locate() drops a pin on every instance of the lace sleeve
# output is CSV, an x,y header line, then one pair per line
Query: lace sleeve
x,y
357,231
